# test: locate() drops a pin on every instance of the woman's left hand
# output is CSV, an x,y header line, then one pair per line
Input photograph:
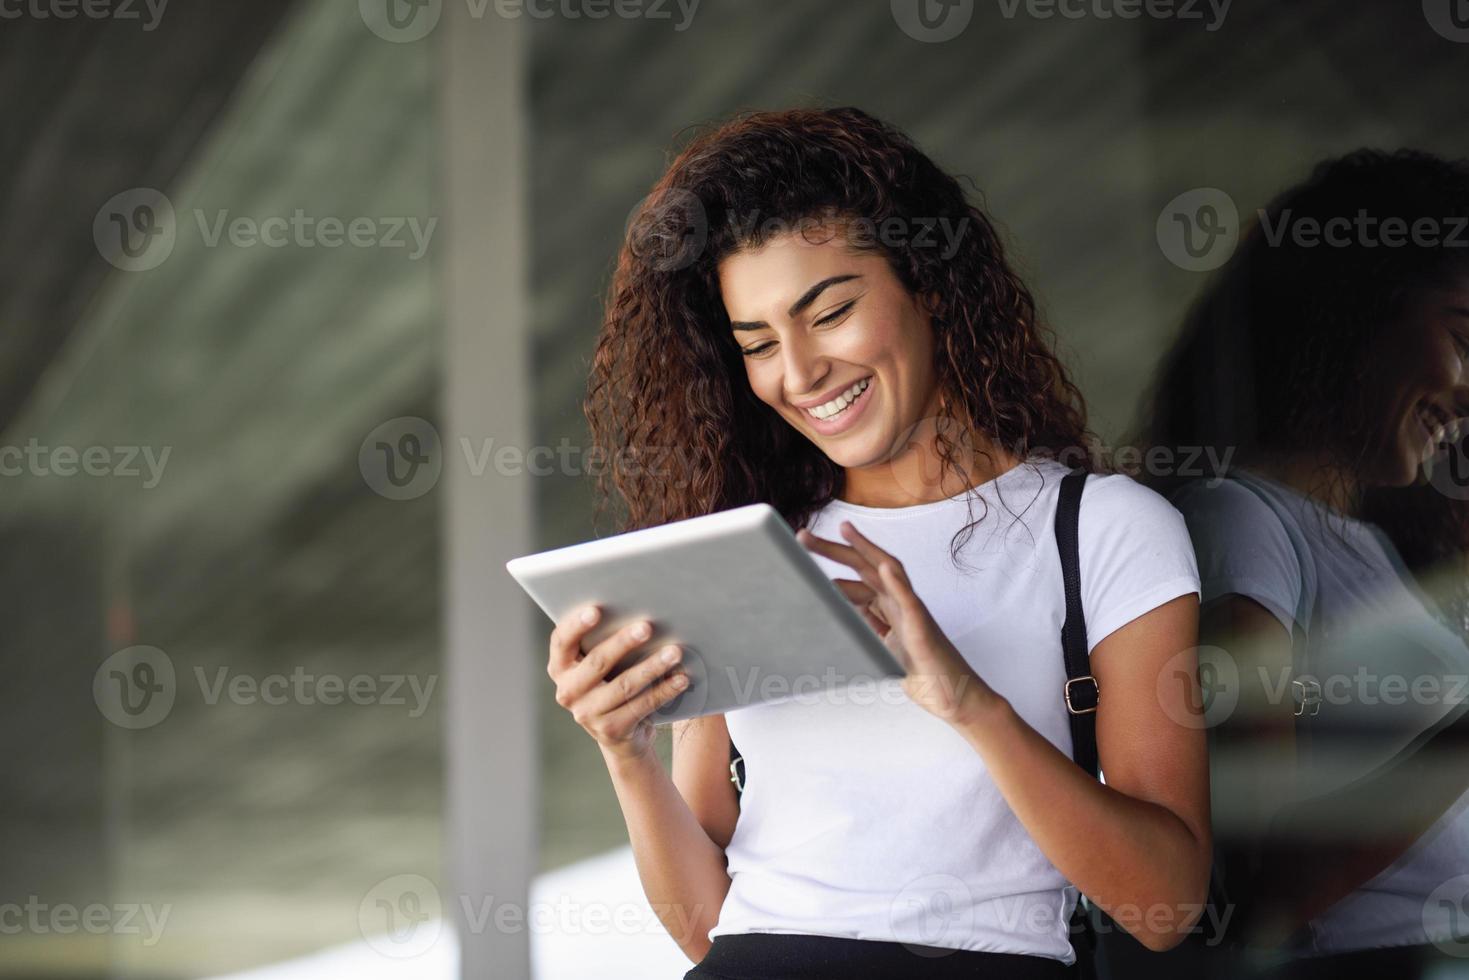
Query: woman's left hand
x,y
938,679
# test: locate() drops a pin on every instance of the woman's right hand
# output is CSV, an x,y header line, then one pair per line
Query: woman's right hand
x,y
614,712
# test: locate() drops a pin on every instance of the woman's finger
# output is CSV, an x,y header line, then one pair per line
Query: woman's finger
x,y
567,636
864,598
836,551
878,624
892,577
895,584
601,658
662,691
870,552
860,593
845,554
606,698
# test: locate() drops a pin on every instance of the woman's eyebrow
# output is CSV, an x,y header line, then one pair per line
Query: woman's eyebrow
x,y
807,298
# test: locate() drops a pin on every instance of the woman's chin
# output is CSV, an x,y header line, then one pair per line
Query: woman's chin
x,y
866,454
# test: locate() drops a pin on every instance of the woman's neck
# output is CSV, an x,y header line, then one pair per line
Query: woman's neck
x,y
918,476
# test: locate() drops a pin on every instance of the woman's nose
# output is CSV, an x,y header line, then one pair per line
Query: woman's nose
x,y
804,369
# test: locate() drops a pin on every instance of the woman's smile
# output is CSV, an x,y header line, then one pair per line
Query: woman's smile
x,y
840,413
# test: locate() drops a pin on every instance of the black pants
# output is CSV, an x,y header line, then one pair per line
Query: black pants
x,y
782,956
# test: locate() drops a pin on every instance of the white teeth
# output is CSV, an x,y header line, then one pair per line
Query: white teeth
x,y
840,402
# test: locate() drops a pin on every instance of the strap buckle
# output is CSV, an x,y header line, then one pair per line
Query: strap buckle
x,y
734,773
1307,695
1096,695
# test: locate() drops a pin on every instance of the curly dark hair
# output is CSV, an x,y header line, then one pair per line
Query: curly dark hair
x,y
1274,354
667,371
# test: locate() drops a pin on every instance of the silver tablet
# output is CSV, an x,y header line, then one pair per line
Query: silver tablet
x,y
757,618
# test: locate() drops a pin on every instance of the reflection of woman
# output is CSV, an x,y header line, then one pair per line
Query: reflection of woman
x,y
1333,365
933,825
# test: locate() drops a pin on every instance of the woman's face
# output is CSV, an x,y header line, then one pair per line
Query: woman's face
x,y
1419,371
834,342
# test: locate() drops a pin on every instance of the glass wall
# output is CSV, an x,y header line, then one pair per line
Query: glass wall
x,y
223,598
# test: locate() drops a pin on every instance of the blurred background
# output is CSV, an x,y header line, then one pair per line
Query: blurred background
x,y
296,303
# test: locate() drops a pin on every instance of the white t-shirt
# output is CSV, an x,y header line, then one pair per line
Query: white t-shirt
x,y
864,816
1337,584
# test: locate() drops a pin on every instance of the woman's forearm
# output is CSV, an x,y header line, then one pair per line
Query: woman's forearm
x,y
1137,860
681,868
1306,870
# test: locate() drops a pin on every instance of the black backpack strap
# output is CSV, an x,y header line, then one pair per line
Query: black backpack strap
x,y
736,770
1081,693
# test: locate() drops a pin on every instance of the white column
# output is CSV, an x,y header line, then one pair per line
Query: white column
x,y
491,654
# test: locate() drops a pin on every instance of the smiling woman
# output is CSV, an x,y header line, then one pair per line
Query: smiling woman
x,y
784,313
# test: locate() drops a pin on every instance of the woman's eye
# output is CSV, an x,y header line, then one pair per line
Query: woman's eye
x,y
838,313
756,351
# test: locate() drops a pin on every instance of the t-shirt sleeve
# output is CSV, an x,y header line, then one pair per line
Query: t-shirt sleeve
x,y
1242,548
1135,554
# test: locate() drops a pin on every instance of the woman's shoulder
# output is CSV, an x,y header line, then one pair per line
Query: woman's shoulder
x,y
1119,495
1225,510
